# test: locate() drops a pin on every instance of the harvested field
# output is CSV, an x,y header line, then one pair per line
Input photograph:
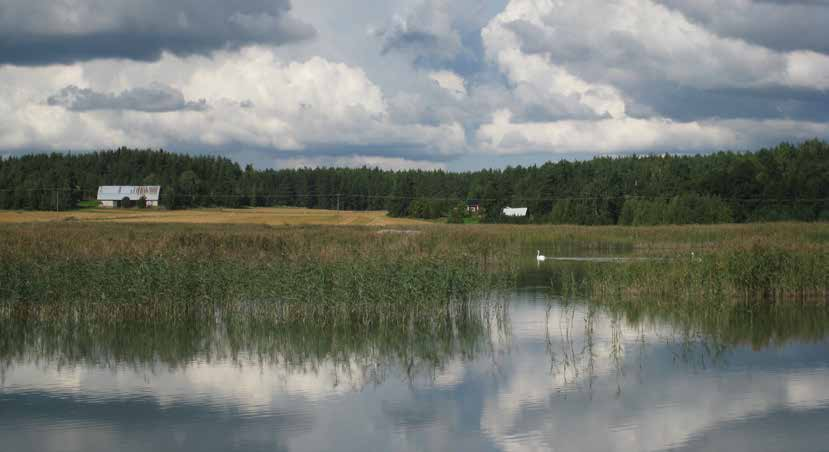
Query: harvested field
x,y
261,215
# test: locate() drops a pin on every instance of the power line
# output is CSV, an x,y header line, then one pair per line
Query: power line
x,y
338,196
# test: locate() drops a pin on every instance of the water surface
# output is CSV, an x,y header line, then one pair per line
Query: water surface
x,y
536,375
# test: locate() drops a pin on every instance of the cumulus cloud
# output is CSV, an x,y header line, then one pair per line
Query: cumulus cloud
x,y
635,41
256,101
37,32
438,33
449,81
619,87
427,32
155,98
435,83
357,161
502,135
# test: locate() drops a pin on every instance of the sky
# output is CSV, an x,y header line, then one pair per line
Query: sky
x,y
449,84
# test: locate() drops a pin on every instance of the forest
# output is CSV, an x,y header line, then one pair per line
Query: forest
x,y
786,182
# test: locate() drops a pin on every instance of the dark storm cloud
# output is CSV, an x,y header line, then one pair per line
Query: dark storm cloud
x,y
39,32
795,2
783,25
553,108
155,98
684,103
422,42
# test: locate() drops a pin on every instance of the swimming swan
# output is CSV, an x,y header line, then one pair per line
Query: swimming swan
x,y
538,256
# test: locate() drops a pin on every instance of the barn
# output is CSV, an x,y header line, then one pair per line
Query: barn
x,y
112,195
515,211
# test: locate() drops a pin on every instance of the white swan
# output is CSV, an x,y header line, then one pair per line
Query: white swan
x,y
538,256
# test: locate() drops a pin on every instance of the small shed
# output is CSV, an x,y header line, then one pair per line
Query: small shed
x,y
515,211
112,195
473,206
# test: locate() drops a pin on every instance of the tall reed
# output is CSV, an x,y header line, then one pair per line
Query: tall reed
x,y
67,262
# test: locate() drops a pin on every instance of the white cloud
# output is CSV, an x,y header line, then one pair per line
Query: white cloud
x,y
450,81
503,136
576,82
356,161
255,100
464,77
807,69
536,79
643,40
604,135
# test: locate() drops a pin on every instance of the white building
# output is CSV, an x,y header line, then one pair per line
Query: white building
x,y
111,195
515,211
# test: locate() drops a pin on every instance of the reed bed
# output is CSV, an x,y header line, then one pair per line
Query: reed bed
x,y
315,270
306,265
756,274
353,281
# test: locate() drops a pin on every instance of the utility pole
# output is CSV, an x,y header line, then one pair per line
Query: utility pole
x,y
338,202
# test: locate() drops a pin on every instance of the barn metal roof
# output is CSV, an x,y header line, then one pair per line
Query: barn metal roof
x,y
515,211
133,192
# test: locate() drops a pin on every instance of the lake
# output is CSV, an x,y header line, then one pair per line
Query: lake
x,y
532,373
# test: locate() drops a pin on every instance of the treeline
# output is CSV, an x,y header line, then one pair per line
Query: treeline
x,y
787,182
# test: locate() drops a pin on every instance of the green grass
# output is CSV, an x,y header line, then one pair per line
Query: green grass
x,y
88,204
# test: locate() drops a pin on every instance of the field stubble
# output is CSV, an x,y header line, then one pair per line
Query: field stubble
x,y
259,215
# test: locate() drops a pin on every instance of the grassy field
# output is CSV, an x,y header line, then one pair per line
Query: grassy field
x,y
260,215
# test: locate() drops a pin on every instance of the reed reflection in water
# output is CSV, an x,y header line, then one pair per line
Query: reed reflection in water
x,y
531,373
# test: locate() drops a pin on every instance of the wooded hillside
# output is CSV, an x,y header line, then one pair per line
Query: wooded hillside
x,y
787,182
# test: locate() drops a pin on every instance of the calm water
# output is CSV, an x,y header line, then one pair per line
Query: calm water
x,y
535,375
